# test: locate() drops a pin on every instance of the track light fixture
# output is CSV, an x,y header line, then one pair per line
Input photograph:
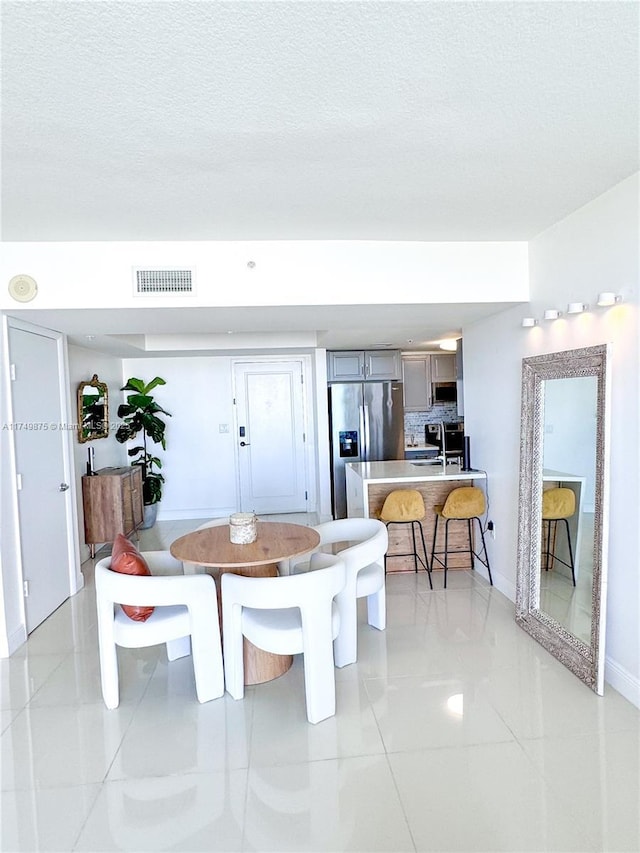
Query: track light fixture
x,y
608,298
552,314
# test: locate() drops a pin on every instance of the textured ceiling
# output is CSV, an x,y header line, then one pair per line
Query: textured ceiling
x,y
312,120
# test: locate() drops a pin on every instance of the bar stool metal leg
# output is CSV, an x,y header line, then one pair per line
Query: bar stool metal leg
x,y
414,553
483,556
573,570
415,550
484,548
446,551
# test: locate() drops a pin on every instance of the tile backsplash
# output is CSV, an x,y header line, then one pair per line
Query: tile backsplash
x,y
414,422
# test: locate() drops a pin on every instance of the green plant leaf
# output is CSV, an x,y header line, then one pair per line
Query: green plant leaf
x,y
125,433
152,489
140,415
153,426
154,407
124,409
153,384
139,401
134,384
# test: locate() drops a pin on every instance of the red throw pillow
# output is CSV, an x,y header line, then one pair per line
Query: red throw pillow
x,y
126,559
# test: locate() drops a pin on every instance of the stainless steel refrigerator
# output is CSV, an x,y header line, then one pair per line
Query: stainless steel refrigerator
x,y
366,424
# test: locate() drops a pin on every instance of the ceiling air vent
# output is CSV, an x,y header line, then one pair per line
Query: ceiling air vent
x,y
153,282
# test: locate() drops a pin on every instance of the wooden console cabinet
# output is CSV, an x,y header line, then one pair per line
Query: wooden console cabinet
x,y
112,502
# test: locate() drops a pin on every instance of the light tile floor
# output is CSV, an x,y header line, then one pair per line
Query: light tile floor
x,y
455,731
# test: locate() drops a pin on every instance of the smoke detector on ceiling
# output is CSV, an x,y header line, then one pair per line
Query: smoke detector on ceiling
x,y
23,288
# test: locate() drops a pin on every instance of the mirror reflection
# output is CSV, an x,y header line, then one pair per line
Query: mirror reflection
x,y
568,502
93,410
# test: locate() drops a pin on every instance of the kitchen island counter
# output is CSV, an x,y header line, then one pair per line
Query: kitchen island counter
x,y
407,471
368,484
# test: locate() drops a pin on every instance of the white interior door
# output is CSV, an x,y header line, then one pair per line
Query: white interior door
x,y
270,436
43,500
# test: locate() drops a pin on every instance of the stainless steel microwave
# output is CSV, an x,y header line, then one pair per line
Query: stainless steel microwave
x,y
445,392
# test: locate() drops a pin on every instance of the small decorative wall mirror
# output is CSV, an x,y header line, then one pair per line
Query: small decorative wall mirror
x,y
93,410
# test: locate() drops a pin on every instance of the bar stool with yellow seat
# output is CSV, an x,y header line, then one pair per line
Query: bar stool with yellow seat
x,y
406,506
465,503
558,504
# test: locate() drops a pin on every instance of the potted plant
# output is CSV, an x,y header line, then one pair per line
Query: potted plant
x,y
140,415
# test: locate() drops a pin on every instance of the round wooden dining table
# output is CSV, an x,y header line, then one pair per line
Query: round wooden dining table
x,y
212,549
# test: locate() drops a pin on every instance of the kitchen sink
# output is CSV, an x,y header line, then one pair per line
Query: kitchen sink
x,y
427,462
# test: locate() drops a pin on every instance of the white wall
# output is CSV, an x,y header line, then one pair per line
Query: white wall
x,y
592,250
285,272
570,414
199,463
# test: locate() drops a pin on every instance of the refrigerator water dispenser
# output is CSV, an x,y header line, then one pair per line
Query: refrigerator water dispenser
x,y
348,443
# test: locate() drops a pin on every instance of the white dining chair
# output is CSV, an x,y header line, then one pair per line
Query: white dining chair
x,y
367,541
185,618
296,614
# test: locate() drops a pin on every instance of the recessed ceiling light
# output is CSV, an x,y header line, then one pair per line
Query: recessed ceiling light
x,y
455,704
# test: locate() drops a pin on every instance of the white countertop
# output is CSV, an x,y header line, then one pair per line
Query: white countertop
x,y
561,476
404,470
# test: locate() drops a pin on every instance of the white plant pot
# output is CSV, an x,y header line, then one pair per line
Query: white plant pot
x,y
150,515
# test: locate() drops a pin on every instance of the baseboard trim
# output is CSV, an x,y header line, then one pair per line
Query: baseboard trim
x,y
187,514
622,680
16,639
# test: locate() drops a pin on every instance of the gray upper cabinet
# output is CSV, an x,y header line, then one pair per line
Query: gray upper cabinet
x,y
443,368
383,364
364,365
416,378
346,366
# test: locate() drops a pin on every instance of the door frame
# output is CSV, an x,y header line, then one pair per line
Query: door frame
x,y
308,420
75,578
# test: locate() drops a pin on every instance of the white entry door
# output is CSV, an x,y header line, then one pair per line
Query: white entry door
x,y
43,486
270,436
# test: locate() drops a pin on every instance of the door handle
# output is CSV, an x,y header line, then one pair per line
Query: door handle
x,y
367,436
63,487
245,443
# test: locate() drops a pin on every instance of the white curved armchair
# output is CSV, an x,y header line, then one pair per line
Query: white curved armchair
x,y
364,562
287,616
185,618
